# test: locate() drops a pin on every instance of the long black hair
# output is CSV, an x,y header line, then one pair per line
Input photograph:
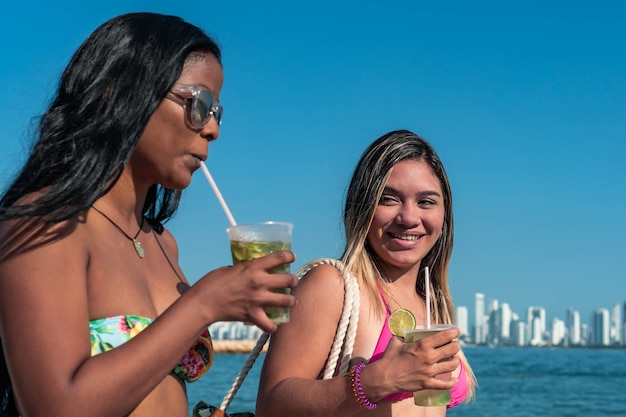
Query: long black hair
x,y
106,95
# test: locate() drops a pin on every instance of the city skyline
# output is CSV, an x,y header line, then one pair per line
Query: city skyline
x,y
495,323
548,331
586,315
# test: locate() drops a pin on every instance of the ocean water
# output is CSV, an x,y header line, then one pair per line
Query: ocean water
x,y
513,382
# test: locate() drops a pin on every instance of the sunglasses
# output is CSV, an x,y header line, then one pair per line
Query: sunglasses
x,y
199,106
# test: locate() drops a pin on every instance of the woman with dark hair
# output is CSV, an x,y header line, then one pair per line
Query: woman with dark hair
x,y
95,314
398,221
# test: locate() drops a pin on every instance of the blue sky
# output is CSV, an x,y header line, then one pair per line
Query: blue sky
x,y
524,102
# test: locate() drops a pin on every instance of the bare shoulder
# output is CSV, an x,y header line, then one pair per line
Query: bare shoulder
x,y
168,239
323,287
320,295
31,248
26,237
42,281
323,274
165,233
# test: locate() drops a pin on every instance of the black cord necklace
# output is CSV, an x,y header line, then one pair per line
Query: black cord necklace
x,y
136,243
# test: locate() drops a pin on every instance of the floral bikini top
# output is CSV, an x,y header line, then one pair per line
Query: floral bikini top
x,y
111,332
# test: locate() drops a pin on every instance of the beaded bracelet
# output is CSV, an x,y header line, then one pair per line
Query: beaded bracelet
x,y
357,388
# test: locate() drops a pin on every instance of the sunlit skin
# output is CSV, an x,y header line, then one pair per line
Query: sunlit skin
x,y
407,223
408,219
169,152
91,271
169,147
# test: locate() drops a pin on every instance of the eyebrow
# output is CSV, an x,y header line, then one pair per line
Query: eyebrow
x,y
425,193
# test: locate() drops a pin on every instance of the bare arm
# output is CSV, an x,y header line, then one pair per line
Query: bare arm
x,y
299,350
44,318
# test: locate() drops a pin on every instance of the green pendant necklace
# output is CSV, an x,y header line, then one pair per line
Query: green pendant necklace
x,y
136,243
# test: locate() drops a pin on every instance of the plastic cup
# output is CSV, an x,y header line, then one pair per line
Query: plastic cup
x,y
429,397
253,240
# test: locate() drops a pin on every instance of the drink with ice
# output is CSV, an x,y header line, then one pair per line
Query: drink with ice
x,y
250,241
429,397
244,251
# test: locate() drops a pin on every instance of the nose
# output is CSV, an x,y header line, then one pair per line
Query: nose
x,y
409,215
211,130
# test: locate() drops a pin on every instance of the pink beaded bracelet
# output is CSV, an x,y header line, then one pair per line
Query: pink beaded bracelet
x,y
357,388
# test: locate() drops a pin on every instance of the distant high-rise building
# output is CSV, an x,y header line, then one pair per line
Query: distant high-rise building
x,y
624,325
462,321
601,328
518,333
536,321
557,332
616,325
585,334
573,327
493,334
535,333
505,323
479,319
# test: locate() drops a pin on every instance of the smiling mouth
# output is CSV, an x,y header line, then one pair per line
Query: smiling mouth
x,y
405,237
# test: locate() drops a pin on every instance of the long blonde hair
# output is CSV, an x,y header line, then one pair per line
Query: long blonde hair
x,y
364,193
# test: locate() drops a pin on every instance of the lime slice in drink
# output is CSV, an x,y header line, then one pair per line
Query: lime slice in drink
x,y
399,320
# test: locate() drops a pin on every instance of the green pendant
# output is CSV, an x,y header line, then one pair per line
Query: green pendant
x,y
138,248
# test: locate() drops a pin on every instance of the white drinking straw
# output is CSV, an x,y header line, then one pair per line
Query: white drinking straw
x,y
427,285
216,190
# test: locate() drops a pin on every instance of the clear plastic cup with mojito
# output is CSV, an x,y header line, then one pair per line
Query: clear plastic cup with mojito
x,y
428,397
253,240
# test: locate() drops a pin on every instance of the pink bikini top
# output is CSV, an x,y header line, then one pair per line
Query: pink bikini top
x,y
457,393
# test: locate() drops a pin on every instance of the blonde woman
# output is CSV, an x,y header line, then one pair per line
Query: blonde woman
x,y
398,220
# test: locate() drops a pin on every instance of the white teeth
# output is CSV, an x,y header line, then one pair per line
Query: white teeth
x,y
412,237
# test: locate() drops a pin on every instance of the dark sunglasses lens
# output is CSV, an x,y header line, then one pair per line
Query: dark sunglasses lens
x,y
218,114
201,108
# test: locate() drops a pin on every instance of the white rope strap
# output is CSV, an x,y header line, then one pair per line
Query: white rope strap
x,y
344,336
346,329
244,371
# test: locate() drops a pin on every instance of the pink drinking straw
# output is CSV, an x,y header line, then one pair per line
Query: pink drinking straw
x,y
427,285
216,190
